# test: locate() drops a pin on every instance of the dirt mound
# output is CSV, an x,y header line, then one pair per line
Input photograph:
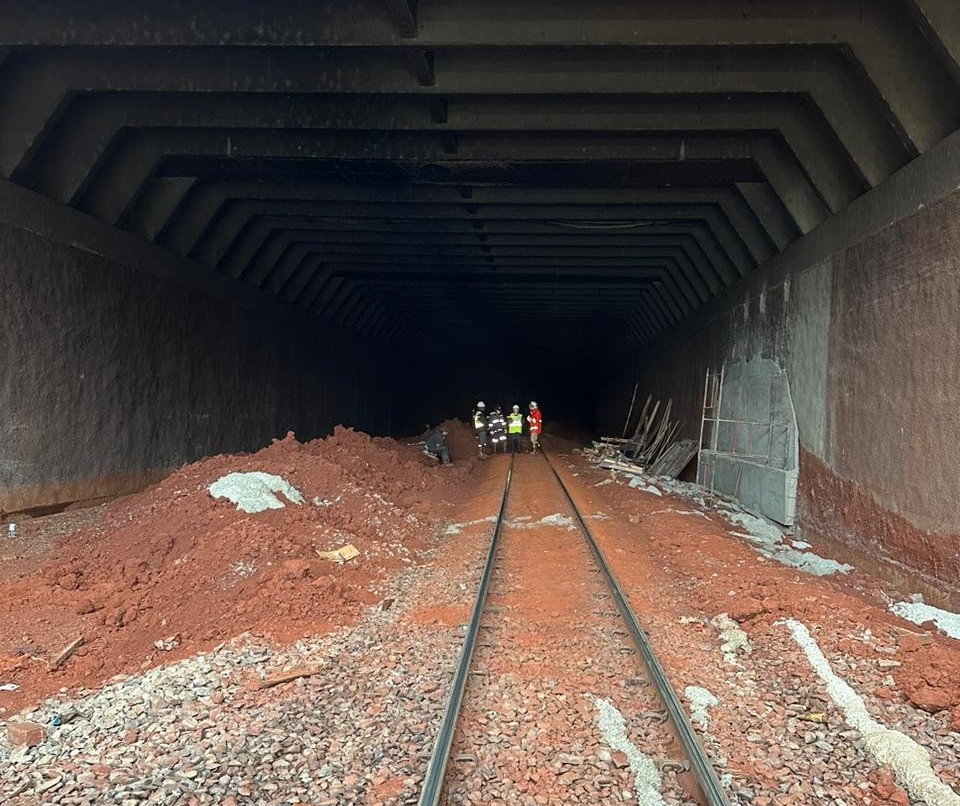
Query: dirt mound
x,y
460,439
175,566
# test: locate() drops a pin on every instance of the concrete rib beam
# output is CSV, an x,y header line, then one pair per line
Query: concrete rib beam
x,y
729,202
222,233
156,204
123,172
939,22
41,84
87,128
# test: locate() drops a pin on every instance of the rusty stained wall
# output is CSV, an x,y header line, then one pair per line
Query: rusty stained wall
x,y
870,339
110,377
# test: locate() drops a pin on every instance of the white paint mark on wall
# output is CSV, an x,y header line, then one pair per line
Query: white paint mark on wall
x,y
646,777
909,761
255,492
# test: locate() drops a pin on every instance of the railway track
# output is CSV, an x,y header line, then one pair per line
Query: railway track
x,y
619,649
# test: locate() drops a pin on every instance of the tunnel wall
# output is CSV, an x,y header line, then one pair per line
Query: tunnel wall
x,y
870,341
111,377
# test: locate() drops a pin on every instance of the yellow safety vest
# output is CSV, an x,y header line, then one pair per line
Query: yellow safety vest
x,y
515,423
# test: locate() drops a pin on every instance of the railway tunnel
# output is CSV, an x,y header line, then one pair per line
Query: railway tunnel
x,y
221,223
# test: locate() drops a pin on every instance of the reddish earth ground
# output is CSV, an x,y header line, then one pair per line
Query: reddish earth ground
x,y
720,573
548,648
679,567
172,562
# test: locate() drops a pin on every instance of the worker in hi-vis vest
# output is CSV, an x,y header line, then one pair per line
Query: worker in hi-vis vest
x,y
480,427
536,426
514,429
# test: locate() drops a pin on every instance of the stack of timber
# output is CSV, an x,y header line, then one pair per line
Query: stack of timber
x,y
653,448
675,458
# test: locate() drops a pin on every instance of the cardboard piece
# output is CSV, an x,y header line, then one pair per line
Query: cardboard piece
x,y
340,555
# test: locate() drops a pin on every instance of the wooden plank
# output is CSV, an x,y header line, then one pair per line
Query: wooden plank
x,y
287,677
633,401
65,653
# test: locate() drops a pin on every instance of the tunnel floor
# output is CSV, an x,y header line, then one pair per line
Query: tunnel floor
x,y
225,660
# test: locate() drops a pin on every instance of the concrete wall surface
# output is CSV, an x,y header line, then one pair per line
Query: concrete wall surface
x,y
870,341
110,376
751,450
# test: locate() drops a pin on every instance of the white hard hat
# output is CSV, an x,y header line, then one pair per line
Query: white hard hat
x,y
533,404
516,407
481,404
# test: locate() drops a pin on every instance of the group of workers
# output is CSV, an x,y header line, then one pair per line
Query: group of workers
x,y
506,431
494,429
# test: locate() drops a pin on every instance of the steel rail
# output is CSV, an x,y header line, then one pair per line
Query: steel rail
x,y
701,767
433,780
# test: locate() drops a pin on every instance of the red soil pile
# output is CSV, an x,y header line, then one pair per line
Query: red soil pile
x,y
174,564
460,439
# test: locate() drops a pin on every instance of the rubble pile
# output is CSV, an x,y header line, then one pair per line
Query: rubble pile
x,y
174,570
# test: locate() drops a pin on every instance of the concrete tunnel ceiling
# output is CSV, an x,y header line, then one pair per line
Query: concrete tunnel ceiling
x,y
602,170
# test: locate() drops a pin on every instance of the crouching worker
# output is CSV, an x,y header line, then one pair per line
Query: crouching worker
x,y
436,445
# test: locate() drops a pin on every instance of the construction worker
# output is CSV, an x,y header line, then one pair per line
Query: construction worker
x,y
436,445
497,428
514,429
535,419
480,427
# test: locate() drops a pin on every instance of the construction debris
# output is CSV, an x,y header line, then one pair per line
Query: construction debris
x,y
675,458
340,555
65,653
25,734
255,492
653,448
287,677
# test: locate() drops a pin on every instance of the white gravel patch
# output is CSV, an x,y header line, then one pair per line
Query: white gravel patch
x,y
255,492
646,777
909,761
700,701
732,638
769,541
457,528
643,486
918,613
556,519
764,531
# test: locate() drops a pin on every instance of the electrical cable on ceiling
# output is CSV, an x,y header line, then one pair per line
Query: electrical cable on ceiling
x,y
599,225
617,225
